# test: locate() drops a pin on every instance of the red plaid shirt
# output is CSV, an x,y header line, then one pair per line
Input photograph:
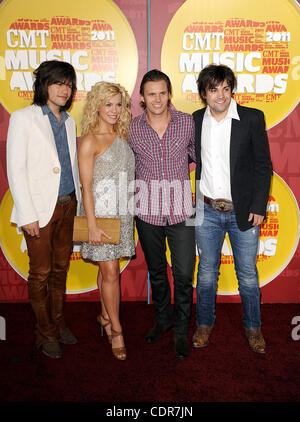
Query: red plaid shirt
x,y
163,188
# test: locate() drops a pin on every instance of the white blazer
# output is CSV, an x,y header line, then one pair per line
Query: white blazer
x,y
33,166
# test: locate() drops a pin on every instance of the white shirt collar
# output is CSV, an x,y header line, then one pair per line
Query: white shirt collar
x,y
231,114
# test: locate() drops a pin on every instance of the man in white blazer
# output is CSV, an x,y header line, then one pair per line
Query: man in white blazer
x,y
44,182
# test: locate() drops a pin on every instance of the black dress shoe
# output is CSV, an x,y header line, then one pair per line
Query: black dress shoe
x,y
67,337
52,349
182,348
157,332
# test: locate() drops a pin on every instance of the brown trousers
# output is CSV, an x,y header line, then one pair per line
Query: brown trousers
x,y
49,258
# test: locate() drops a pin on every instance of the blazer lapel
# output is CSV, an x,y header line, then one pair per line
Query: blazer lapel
x,y
198,118
234,143
44,125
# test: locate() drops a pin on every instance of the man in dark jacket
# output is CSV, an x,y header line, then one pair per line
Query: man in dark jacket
x,y
233,174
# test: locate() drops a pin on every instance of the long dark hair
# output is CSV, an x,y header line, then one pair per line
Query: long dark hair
x,y
49,73
213,75
155,76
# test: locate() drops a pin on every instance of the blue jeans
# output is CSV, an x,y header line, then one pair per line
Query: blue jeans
x,y
211,227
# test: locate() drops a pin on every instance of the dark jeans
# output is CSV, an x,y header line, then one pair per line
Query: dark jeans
x,y
181,240
49,257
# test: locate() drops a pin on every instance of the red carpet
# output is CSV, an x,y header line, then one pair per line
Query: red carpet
x,y
226,371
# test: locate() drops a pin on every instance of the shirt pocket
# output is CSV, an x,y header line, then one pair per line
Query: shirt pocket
x,y
177,148
145,151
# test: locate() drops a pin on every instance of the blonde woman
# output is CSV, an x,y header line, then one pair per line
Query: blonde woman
x,y
106,161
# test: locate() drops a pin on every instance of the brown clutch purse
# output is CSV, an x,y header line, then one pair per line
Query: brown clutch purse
x,y
110,226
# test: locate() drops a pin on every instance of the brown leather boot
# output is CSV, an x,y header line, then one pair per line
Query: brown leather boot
x,y
256,341
201,336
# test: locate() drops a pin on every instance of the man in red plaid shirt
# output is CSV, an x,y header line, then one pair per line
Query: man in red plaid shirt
x,y
162,140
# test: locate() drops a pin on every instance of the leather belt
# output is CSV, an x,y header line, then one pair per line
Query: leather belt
x,y
220,205
65,199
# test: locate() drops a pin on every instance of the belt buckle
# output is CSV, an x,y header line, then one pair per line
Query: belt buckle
x,y
64,199
222,205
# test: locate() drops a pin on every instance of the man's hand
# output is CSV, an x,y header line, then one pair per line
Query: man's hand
x,y
257,219
33,229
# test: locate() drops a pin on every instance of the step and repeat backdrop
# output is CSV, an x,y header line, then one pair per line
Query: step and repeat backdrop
x,y
119,41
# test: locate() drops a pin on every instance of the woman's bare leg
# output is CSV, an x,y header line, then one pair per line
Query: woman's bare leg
x,y
104,317
110,291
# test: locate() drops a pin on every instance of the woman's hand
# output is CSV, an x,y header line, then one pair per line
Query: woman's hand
x,y
96,235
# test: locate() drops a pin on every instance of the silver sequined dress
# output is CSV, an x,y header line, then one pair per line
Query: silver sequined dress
x,y
113,179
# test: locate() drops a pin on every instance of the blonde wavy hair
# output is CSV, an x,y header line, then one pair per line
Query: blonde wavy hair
x,y
100,93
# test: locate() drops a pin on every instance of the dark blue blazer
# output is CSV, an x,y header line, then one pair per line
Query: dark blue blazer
x,y
250,163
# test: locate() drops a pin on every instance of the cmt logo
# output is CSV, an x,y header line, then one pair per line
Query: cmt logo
x,y
2,328
296,330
